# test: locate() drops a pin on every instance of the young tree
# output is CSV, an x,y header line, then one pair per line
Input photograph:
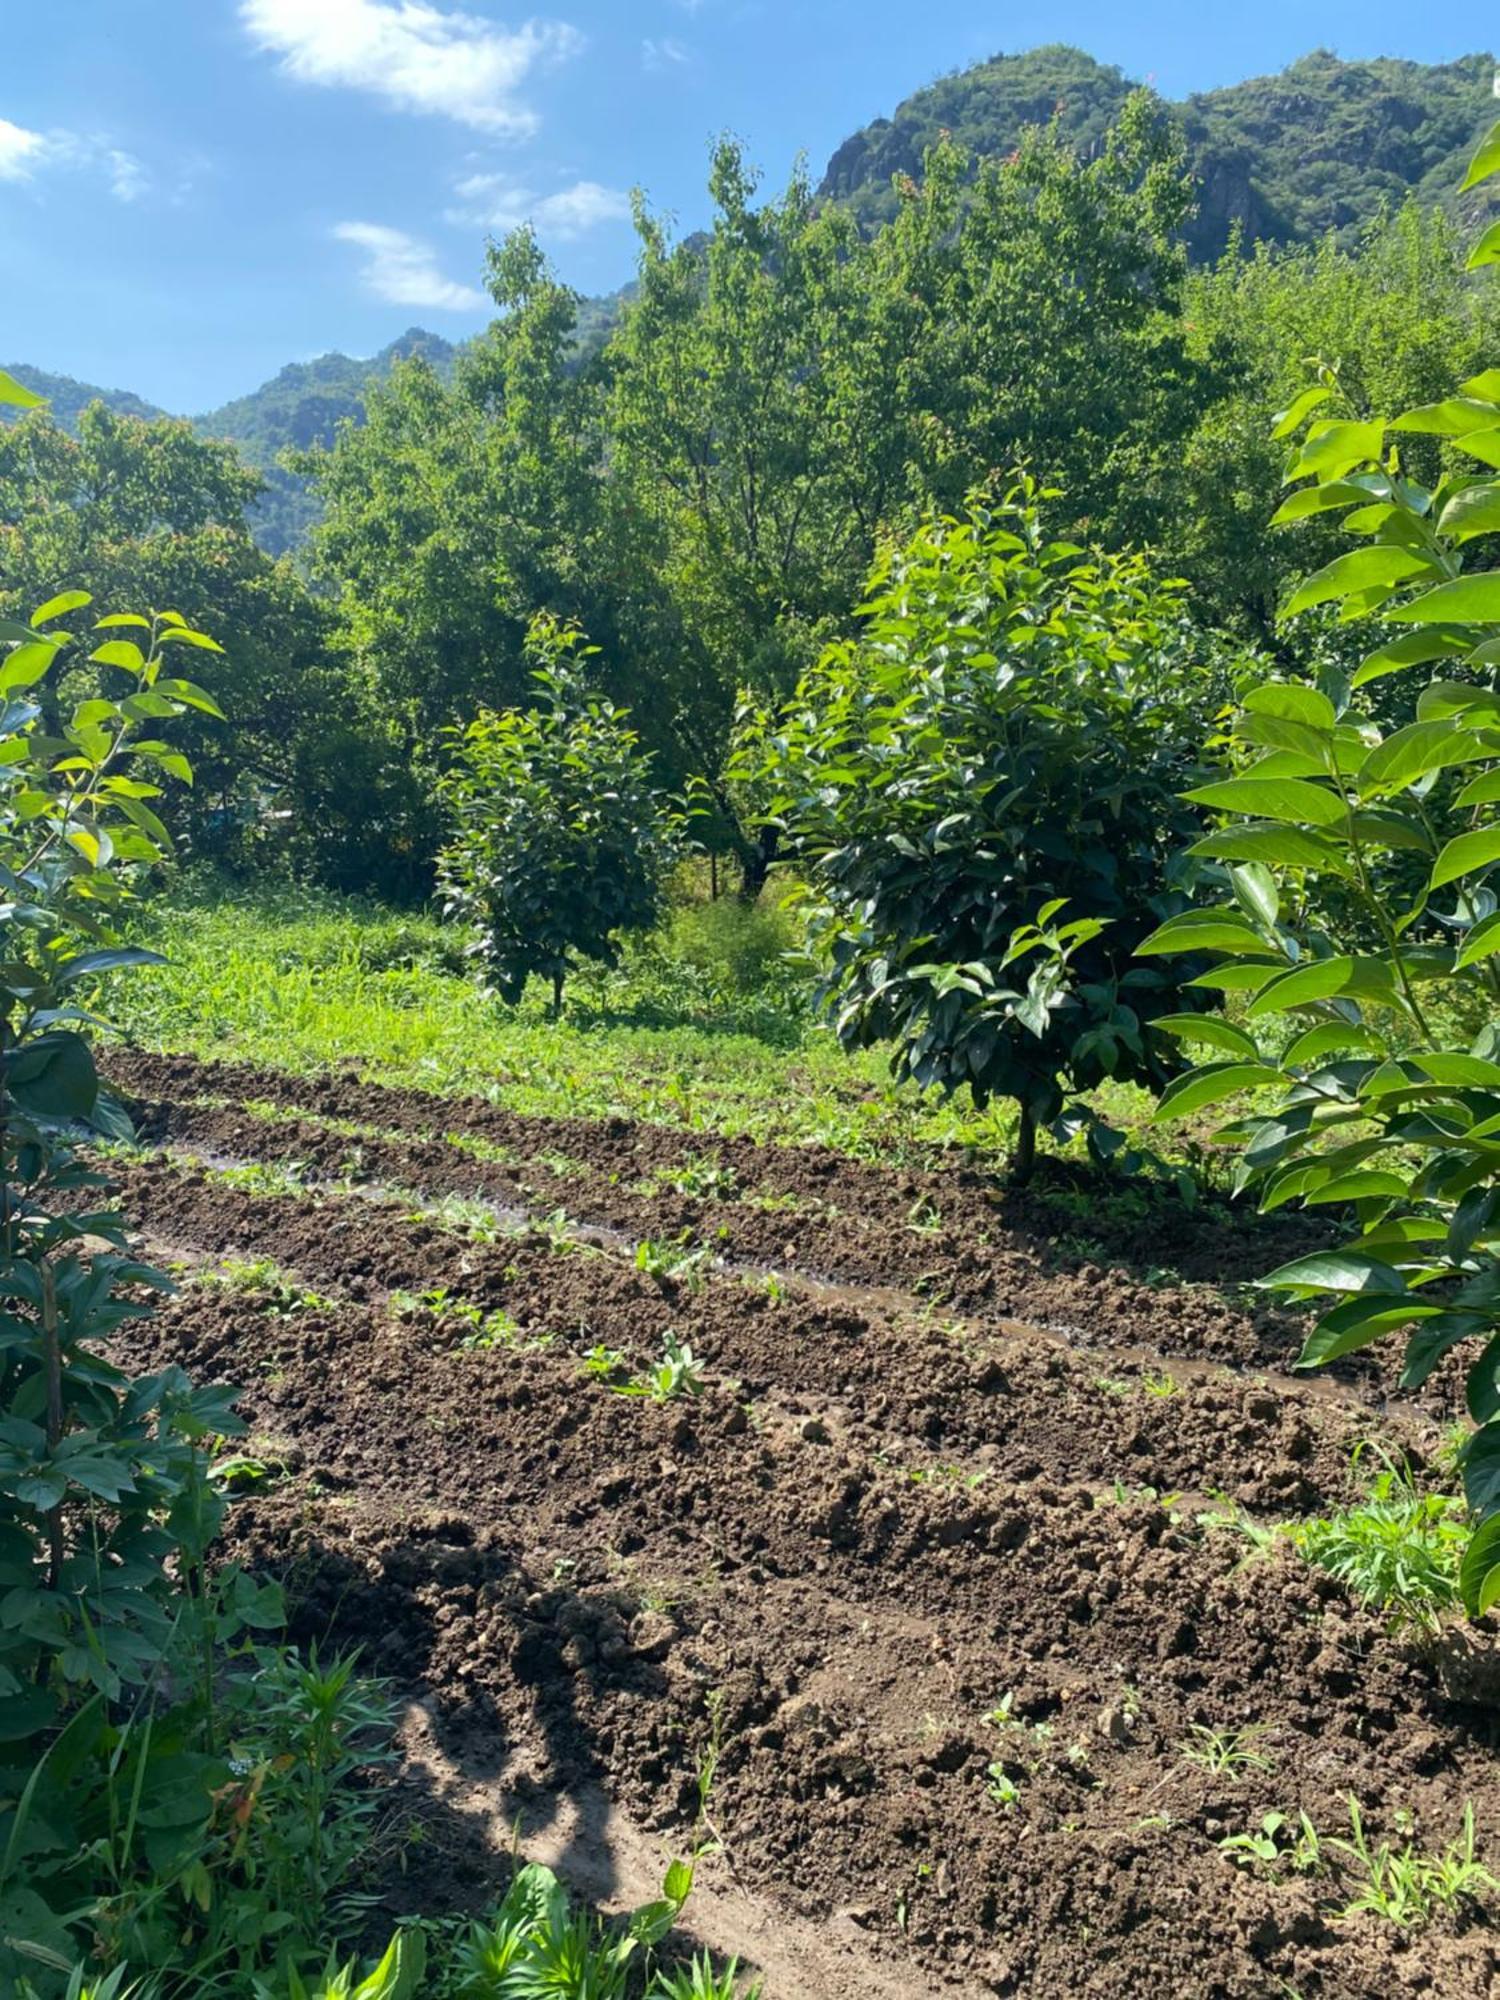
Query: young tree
x,y
982,790
560,841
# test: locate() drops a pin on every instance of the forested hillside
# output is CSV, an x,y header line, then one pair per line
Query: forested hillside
x,y
1282,159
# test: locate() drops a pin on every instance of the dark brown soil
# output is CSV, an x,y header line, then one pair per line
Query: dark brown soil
x,y
891,1506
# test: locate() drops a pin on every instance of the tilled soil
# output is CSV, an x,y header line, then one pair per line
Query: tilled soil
x,y
894,1509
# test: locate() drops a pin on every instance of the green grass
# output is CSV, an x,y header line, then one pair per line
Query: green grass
x,y
297,980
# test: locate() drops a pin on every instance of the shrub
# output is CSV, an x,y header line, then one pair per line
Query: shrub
x,y
982,792
560,843
1361,863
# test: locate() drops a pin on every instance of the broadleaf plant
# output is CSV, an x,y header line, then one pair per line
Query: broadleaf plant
x,y
1362,927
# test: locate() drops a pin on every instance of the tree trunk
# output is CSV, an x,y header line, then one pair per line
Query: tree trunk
x,y
557,993
755,863
1023,1159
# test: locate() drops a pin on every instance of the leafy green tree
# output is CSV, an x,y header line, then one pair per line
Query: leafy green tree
x,y
982,792
1398,320
1362,863
560,843
154,514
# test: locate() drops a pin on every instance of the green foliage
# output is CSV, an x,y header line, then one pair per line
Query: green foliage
x,y
1402,1884
1398,1551
981,792
560,842
1359,858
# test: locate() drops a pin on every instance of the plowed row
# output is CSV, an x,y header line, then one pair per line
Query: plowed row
x,y
947,1459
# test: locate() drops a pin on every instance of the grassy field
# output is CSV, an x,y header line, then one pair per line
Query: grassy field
x,y
705,1025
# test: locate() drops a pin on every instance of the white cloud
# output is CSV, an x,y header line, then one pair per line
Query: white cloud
x,y
496,202
403,270
25,154
21,152
665,52
417,56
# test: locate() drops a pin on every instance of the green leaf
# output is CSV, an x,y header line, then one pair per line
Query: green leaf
x,y
1299,409
1473,511
184,635
1256,893
1210,1084
1322,979
1481,791
26,665
1380,567
1358,1187
1469,600
1211,1029
1483,445
58,607
1202,930
1296,799
1464,854
1486,160
1482,942
1334,1271
1412,649
1327,1038
119,653
1454,417
1479,1572
1351,1326
1420,747
53,1076
1332,449
1283,846
1480,1459
1311,500
1292,701
18,397
122,618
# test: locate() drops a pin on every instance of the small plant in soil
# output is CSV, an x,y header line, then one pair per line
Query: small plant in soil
x,y
924,1217
604,1364
774,1287
1163,1384
676,1374
1230,1519
263,1277
1002,1788
672,1260
1405,1886
1399,1551
703,1178
699,1981
1224,1753
1277,1846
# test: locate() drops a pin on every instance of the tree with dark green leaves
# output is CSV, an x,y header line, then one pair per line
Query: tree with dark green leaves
x,y
982,794
560,841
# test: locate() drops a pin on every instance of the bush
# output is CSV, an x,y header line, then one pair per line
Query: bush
x,y
982,793
560,843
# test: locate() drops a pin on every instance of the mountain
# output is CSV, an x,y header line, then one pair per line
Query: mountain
x,y
69,399
1323,145
303,405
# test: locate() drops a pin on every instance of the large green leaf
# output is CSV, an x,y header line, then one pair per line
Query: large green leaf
x,y
1293,701
1322,979
1464,854
1332,449
1293,799
1299,409
1211,1029
1210,1085
1412,649
1469,600
1454,417
1480,1460
1310,500
1473,511
1486,160
1278,846
1483,445
1334,1271
53,1076
1412,752
1202,930
1379,567
1479,1572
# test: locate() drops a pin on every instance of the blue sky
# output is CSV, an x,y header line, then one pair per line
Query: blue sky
x,y
193,192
